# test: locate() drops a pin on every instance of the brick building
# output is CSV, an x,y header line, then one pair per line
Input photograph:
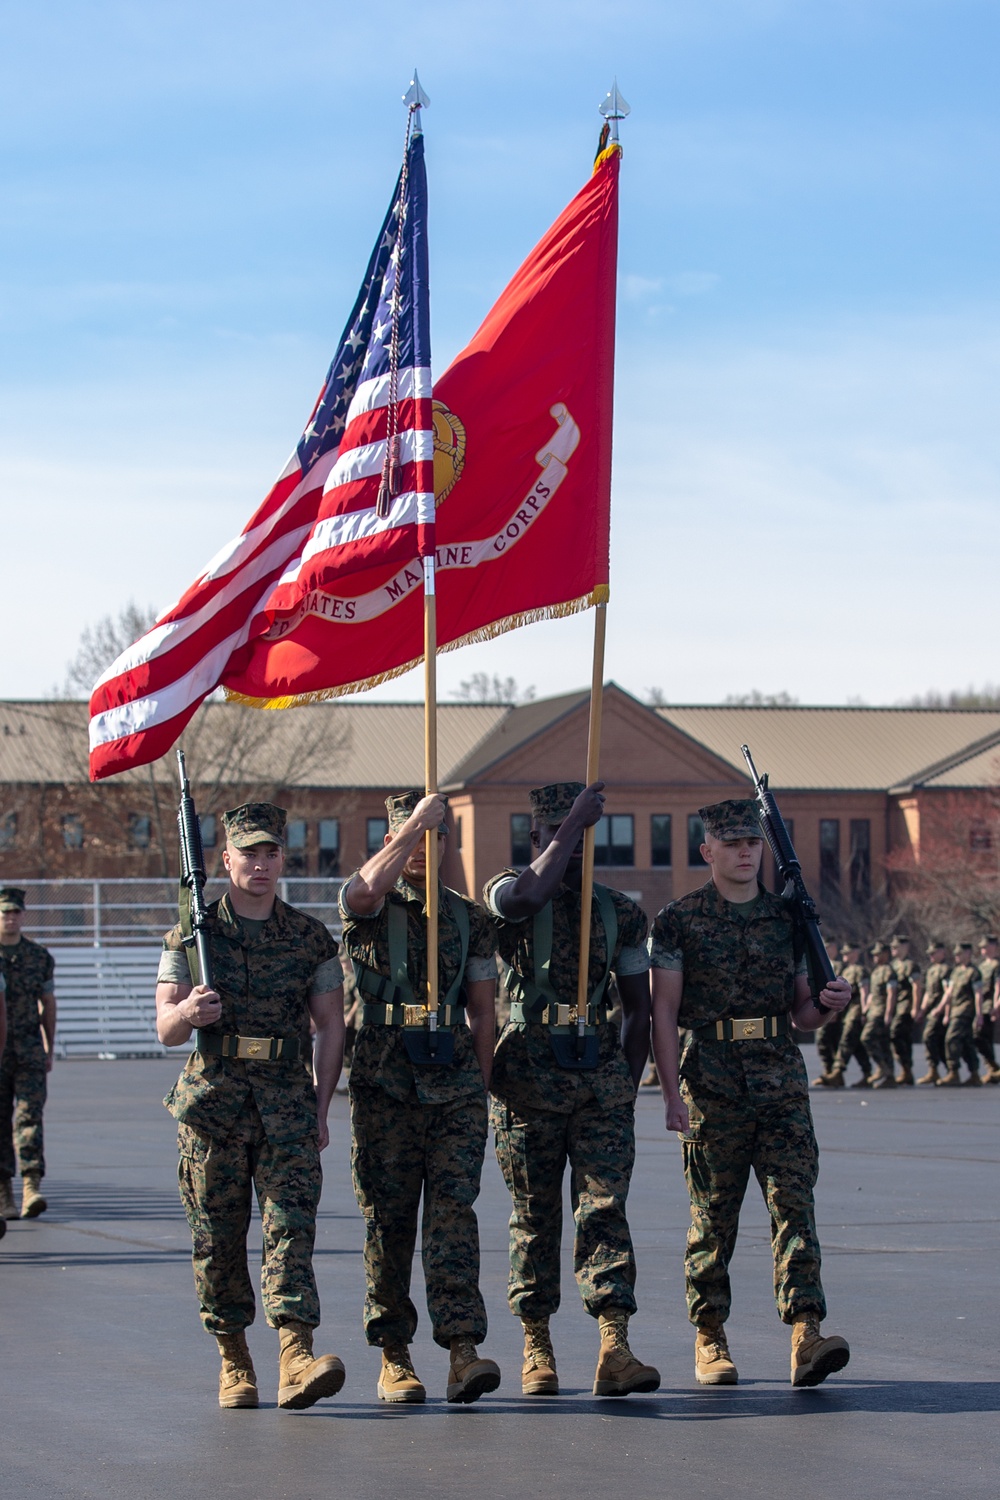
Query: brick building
x,y
867,791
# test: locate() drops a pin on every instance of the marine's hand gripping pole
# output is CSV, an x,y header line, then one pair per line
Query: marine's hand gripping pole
x,y
193,875
793,886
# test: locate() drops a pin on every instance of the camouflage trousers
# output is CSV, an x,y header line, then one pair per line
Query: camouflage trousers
x,y
728,1138
533,1147
875,1040
986,1042
216,1179
959,1043
828,1040
901,1038
400,1150
850,1045
22,1100
934,1030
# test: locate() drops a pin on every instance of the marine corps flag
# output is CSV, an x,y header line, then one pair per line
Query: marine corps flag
x,y
522,479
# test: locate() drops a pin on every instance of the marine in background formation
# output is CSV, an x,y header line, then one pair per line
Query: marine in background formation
x,y
564,1094
727,967
251,1107
26,969
907,1009
418,1108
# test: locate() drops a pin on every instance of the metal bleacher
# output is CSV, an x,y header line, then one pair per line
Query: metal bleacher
x,y
104,999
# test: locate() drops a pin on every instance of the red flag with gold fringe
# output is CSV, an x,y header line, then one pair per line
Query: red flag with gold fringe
x,y
522,476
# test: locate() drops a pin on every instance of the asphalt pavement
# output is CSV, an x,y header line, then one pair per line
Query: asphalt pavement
x,y
108,1383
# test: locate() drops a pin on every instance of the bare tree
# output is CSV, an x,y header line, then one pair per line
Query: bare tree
x,y
482,688
656,697
986,697
103,643
757,699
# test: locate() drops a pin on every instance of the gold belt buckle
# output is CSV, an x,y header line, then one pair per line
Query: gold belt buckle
x,y
414,1015
752,1030
249,1047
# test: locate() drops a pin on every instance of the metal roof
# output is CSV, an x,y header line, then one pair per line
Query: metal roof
x,y
837,749
321,744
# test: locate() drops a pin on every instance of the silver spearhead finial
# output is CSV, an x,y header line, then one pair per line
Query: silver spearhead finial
x,y
416,98
614,108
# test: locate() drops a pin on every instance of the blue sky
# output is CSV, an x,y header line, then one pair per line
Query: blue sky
x,y
807,462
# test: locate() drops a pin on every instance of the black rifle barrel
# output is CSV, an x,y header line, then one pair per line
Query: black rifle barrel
x,y
789,871
193,870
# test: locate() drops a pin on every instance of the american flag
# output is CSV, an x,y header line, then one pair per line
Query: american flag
x,y
357,492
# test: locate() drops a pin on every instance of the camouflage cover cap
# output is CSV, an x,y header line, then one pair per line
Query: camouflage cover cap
x,y
255,823
879,946
735,819
550,804
401,806
963,947
990,937
900,937
936,943
11,898
846,948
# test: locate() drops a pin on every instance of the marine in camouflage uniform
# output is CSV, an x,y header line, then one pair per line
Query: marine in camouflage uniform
x,y
26,968
882,990
989,973
728,969
419,1126
908,988
559,1100
828,1035
250,1117
963,1003
852,1021
932,1011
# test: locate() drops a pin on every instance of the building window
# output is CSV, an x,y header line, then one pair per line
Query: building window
x,y
209,830
614,840
659,829
295,847
329,846
861,859
696,837
375,832
458,833
72,831
829,857
520,840
8,830
980,838
140,831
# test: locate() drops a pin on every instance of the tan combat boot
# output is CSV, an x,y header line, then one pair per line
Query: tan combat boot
x,y
32,1202
302,1379
950,1080
884,1081
905,1077
713,1363
8,1208
813,1356
619,1373
972,1082
538,1373
832,1080
237,1380
469,1377
931,1076
397,1381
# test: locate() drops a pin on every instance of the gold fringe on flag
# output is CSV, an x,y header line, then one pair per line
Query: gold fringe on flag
x,y
597,595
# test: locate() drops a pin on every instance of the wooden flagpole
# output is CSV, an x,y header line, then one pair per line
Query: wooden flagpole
x,y
593,763
430,777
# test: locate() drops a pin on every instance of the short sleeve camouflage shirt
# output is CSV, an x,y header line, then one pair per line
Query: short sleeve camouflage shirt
x,y
525,1072
965,980
264,980
27,969
380,1059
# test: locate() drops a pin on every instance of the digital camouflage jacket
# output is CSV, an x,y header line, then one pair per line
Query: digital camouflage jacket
x,y
27,969
264,982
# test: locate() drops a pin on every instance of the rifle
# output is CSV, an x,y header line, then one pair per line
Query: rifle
x,y
193,911
793,886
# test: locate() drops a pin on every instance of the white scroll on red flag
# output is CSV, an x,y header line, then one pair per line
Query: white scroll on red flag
x,y
522,477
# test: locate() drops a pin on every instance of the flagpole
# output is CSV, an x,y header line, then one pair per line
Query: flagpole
x,y
614,108
593,764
